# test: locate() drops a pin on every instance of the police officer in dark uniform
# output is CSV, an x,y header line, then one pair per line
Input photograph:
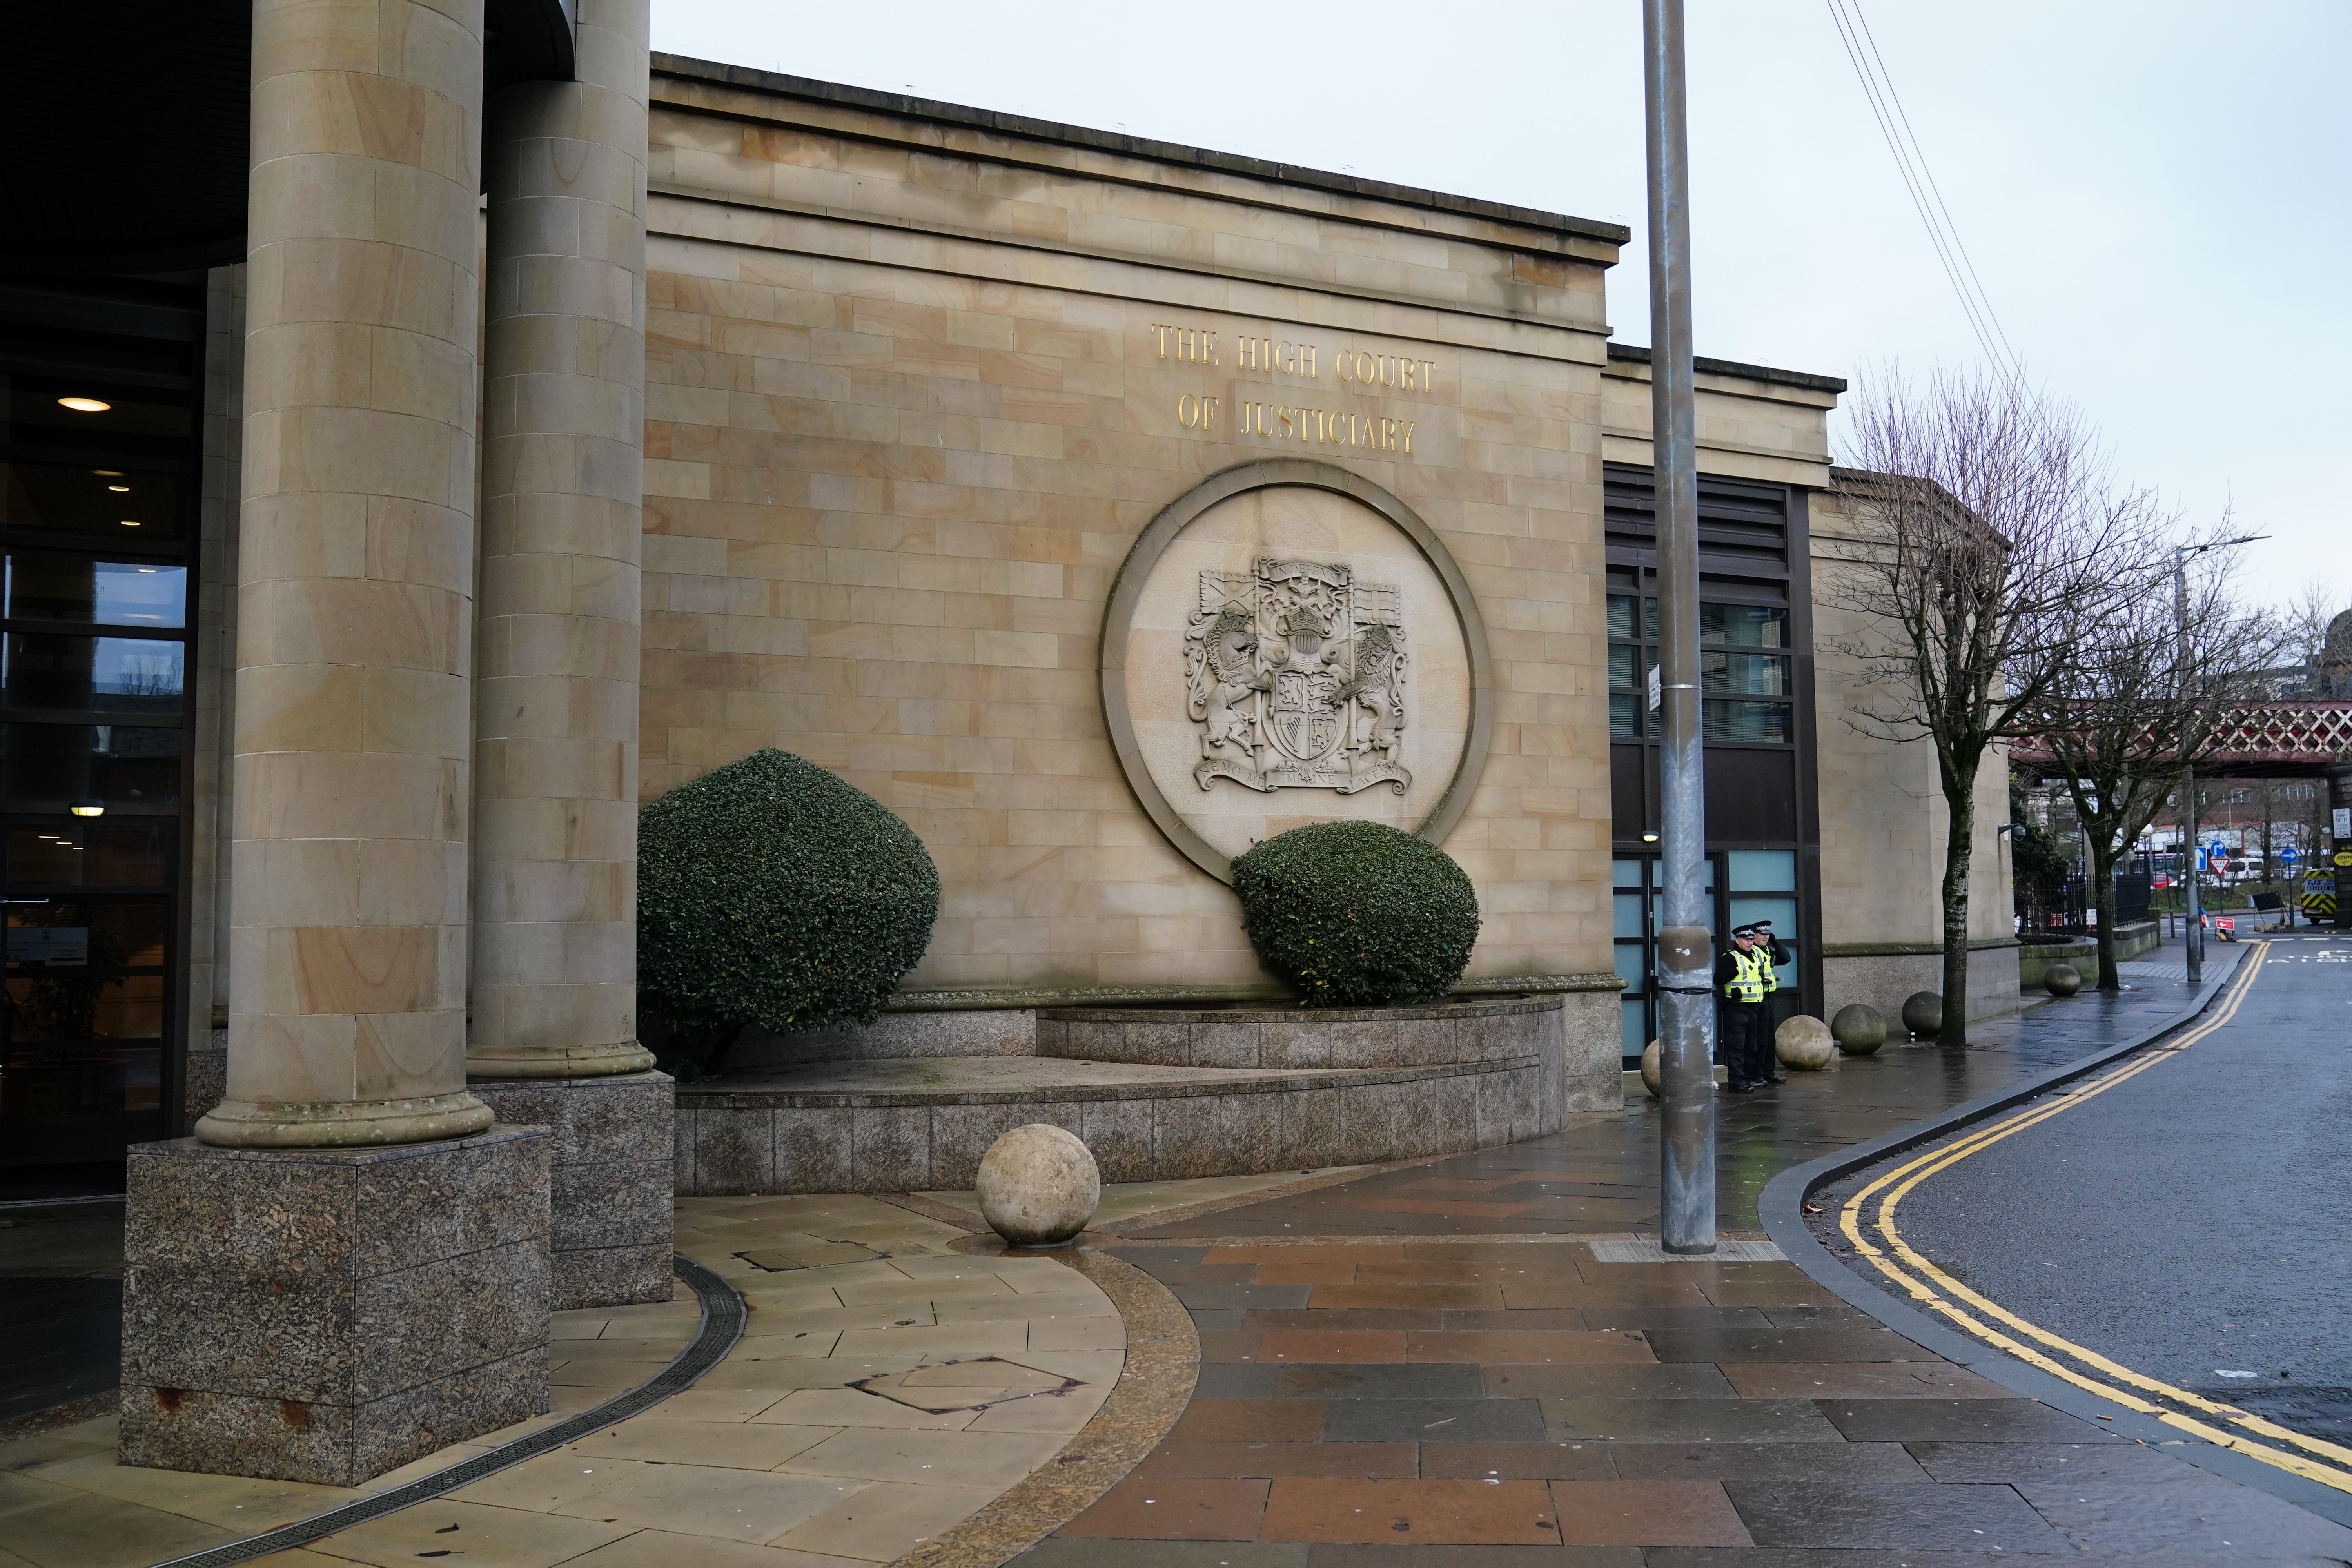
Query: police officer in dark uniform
x,y
1743,979
1775,955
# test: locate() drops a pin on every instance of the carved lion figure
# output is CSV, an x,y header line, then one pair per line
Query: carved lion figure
x,y
1221,668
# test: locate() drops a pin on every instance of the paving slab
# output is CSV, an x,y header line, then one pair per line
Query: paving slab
x,y
1667,1414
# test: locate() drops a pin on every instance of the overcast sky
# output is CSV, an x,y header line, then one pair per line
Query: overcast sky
x,y
2154,195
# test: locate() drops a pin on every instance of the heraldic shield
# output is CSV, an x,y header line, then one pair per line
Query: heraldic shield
x,y
1298,679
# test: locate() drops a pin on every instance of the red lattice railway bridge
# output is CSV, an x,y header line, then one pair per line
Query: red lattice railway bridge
x,y
2263,740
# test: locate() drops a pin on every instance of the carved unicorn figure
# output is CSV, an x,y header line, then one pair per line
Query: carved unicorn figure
x,y
1379,684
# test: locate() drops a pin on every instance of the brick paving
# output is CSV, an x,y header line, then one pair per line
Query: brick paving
x,y
1431,1368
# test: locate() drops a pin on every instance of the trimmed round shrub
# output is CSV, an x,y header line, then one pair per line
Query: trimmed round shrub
x,y
1357,914
771,893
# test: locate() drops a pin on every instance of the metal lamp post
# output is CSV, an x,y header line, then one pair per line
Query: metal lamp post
x,y
1685,950
2194,937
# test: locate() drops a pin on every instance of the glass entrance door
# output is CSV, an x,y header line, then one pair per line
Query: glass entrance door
x,y
1742,886
88,960
98,467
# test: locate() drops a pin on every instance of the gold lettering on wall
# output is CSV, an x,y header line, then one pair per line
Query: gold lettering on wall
x,y
1324,426
1363,371
1192,345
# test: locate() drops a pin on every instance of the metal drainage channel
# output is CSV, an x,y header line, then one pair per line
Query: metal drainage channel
x,y
722,1325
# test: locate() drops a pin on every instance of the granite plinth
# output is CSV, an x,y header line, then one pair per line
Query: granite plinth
x,y
325,1315
610,1183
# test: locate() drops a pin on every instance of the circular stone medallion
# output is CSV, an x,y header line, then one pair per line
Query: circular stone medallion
x,y
1288,643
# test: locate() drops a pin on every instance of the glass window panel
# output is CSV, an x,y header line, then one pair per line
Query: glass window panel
x,y
105,674
1631,965
1625,714
1743,625
106,854
67,500
1782,913
1622,665
1748,674
1636,1015
1767,723
1620,615
50,585
121,764
52,1009
82,1077
1650,617
71,936
1626,873
1628,914
1763,870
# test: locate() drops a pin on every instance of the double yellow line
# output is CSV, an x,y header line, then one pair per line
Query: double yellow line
x,y
1873,1210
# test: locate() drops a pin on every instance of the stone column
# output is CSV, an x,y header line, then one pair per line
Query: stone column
x,y
348,1267
553,1035
347,962
554,982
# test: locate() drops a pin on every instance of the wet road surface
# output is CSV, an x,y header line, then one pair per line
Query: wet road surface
x,y
2190,1224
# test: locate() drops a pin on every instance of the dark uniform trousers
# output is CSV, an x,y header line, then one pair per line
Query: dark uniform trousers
x,y
1746,1041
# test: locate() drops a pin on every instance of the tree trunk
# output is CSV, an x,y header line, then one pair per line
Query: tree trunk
x,y
1959,844
2103,897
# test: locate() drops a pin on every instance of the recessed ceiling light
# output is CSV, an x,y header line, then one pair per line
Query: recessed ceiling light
x,y
129,522
120,489
149,570
84,405
108,473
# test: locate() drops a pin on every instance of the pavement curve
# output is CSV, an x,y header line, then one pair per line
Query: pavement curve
x,y
2177,1222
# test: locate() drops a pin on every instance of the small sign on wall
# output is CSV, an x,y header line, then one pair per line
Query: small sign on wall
x,y
57,947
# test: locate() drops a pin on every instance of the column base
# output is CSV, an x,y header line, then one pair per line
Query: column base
x,y
614,1183
615,1059
339,1125
325,1315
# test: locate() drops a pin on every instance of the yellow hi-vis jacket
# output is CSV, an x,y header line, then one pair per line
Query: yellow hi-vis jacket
x,y
1751,976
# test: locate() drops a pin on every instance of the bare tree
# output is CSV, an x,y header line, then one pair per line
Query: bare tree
x,y
1988,535
2133,701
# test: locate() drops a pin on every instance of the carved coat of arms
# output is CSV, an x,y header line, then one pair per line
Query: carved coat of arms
x,y
1297,677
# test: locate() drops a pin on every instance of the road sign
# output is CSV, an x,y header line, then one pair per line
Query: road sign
x,y
2343,857
2290,854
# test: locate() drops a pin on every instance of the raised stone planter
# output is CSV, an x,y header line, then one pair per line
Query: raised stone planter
x,y
1160,1094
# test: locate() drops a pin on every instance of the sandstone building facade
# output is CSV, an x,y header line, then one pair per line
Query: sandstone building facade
x,y
916,379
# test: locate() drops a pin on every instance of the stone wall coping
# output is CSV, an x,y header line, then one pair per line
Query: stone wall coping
x,y
1635,353
1907,948
1266,994
2057,949
1501,1006
685,67
1212,1081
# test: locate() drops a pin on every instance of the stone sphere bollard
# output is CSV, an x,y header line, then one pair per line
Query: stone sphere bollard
x,y
1923,1013
1039,1185
1860,1028
2062,978
1652,1079
1804,1043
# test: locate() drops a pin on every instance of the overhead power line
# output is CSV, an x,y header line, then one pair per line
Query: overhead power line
x,y
1926,198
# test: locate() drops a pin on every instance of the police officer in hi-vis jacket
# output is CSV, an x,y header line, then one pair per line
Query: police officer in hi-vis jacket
x,y
1744,979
